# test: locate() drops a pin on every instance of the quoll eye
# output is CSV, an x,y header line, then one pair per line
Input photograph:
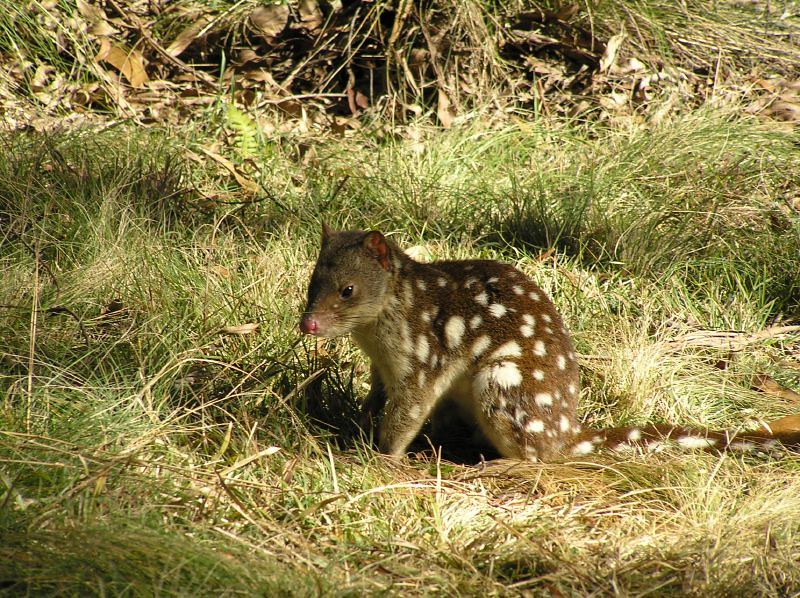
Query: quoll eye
x,y
346,292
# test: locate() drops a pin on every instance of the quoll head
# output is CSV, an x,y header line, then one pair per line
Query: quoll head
x,y
350,282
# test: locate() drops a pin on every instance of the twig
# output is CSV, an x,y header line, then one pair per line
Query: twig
x,y
732,341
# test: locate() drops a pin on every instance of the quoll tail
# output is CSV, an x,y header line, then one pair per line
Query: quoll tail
x,y
654,438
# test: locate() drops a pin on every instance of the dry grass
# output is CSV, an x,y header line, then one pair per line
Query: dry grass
x,y
163,428
165,455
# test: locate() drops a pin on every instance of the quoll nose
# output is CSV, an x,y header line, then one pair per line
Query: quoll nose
x,y
309,325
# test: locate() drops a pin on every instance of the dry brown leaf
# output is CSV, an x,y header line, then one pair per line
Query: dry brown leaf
x,y
786,111
247,184
445,110
186,37
768,385
610,53
310,14
129,63
241,330
221,270
270,20
102,29
90,12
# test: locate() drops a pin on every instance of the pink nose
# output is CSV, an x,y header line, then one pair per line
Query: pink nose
x,y
309,325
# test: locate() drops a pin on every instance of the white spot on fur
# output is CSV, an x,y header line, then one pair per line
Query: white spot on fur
x,y
470,281
441,281
423,348
426,316
497,310
509,349
434,360
475,321
526,330
534,296
482,298
481,345
405,337
564,423
421,378
421,284
506,374
454,331
572,389
548,330
528,319
583,448
544,399
535,426
492,280
408,292
445,380
546,318
538,375
695,442
518,290
634,435
538,349
562,362
598,439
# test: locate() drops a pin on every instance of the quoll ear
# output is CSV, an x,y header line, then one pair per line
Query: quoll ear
x,y
326,233
376,246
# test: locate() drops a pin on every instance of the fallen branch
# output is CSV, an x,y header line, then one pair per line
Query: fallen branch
x,y
731,341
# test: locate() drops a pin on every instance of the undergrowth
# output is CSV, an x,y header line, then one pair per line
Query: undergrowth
x,y
164,430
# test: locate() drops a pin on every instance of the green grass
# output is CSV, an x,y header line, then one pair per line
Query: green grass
x,y
143,450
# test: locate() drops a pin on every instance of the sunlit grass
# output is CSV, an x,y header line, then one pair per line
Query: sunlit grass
x,y
144,430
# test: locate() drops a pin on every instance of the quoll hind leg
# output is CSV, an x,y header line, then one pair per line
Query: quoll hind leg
x,y
514,428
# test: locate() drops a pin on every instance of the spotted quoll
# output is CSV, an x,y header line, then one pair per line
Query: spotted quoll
x,y
478,334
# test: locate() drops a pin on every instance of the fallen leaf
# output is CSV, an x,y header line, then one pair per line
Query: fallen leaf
x,y
186,37
220,270
102,29
129,63
270,20
610,53
310,14
241,330
246,184
768,385
445,110
89,11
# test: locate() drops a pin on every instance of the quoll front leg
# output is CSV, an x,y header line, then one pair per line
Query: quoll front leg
x,y
406,411
373,404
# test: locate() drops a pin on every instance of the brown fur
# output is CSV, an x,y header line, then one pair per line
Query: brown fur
x,y
476,334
